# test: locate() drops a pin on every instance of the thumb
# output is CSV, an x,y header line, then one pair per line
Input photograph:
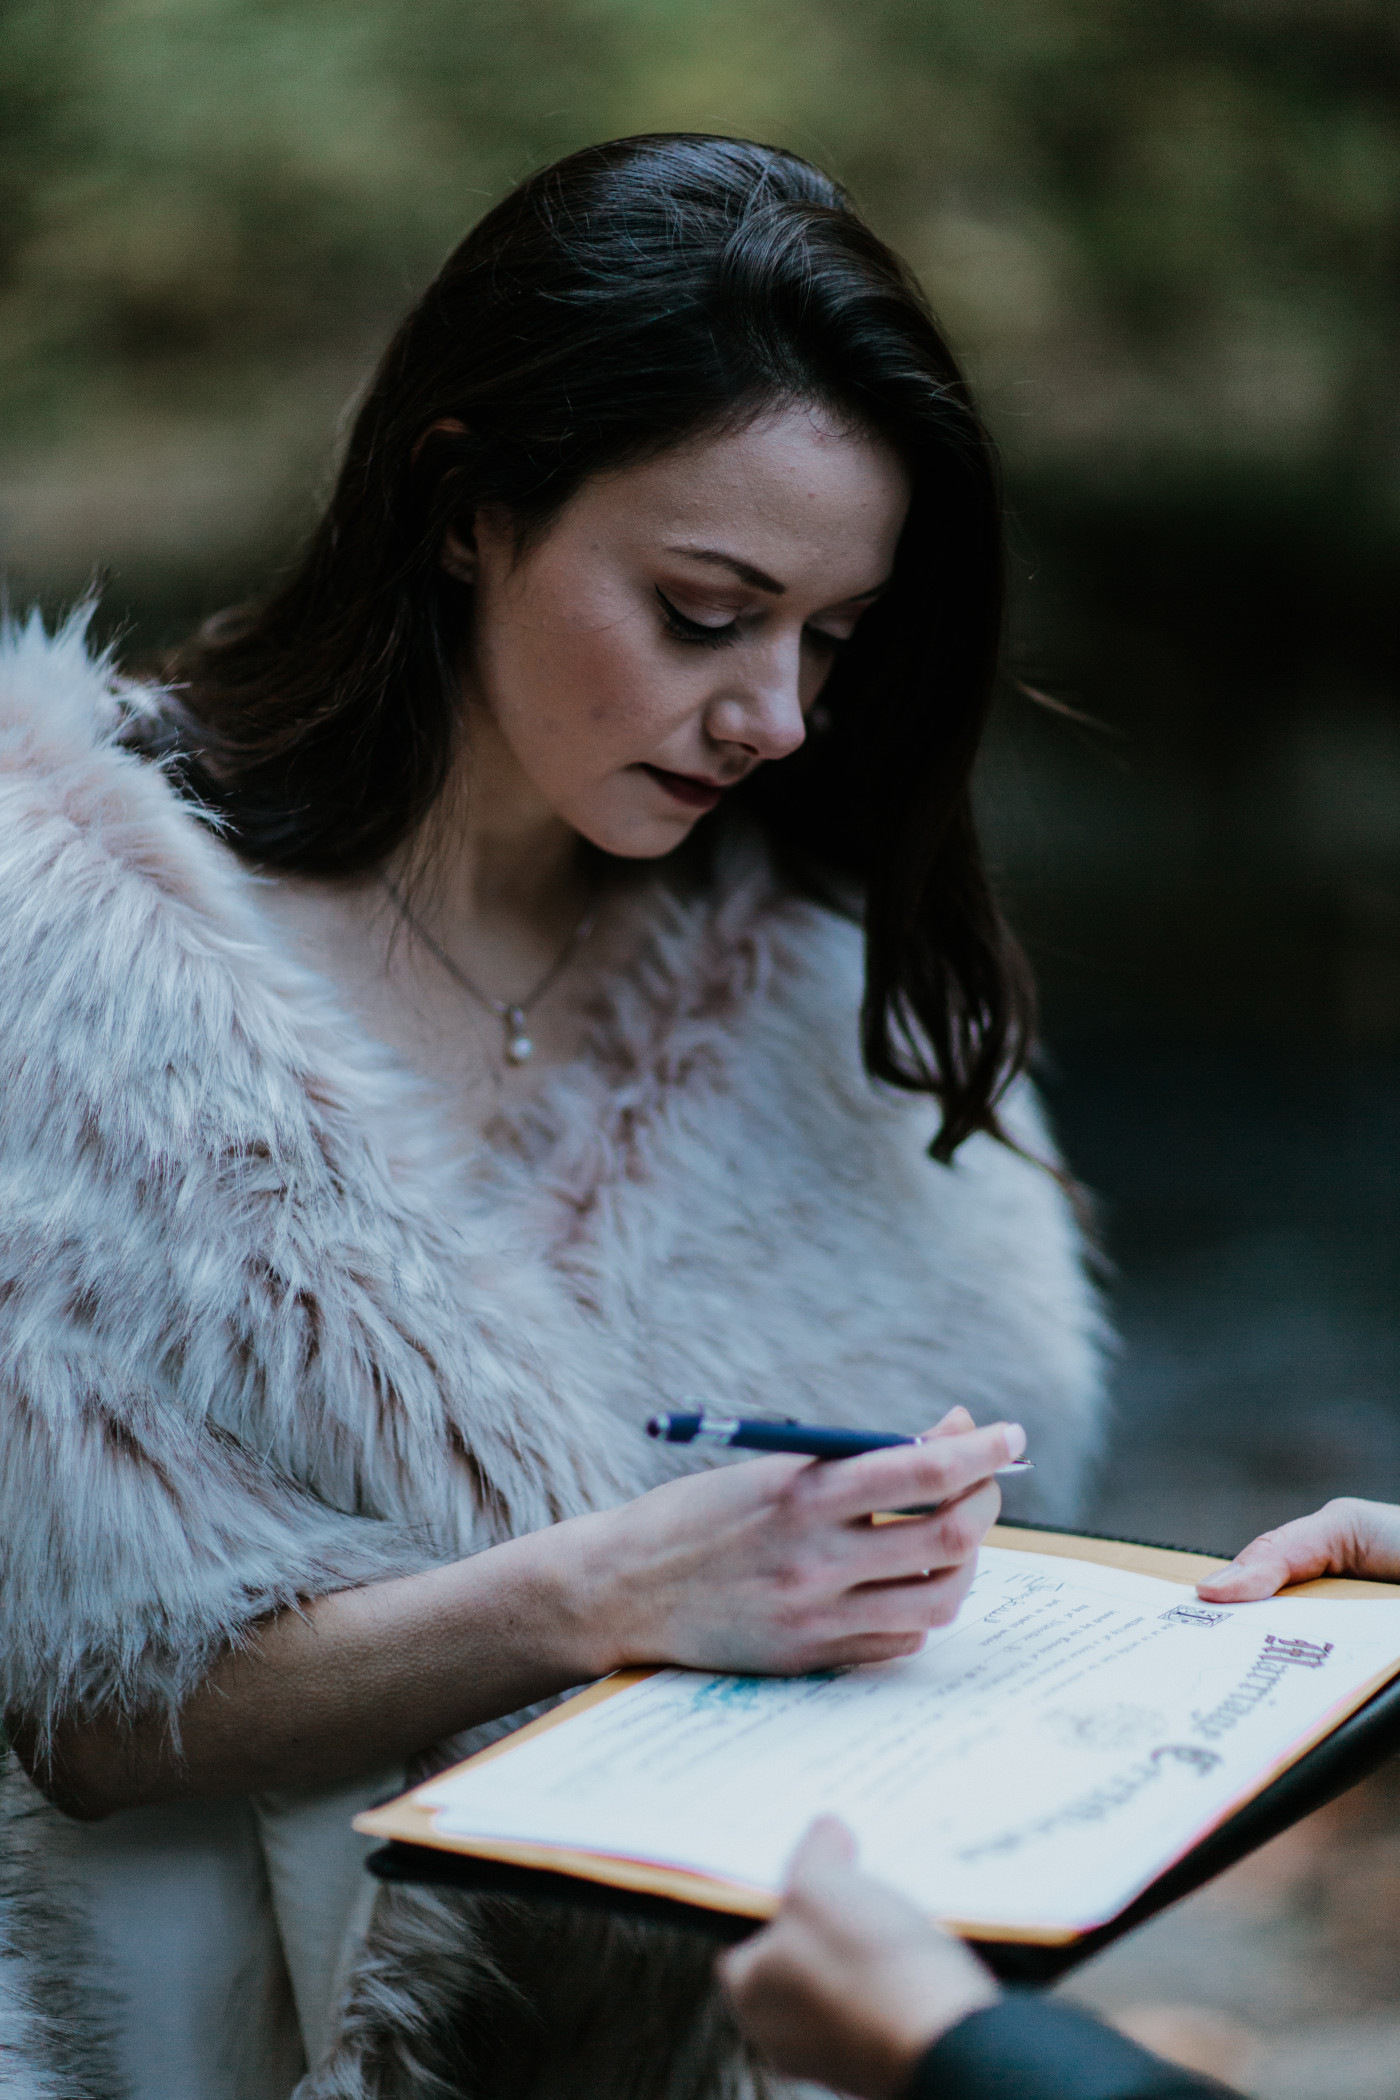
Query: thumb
x,y
1259,1570
1344,1537
826,1845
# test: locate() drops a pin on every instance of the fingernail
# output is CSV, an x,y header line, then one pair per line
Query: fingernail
x,y
1015,1439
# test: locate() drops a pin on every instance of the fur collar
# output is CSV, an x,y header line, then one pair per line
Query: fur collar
x,y
262,1339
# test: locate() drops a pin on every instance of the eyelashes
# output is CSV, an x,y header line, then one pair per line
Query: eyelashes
x,y
684,630
699,636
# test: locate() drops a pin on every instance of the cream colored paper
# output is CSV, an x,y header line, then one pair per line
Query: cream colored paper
x,y
1077,1728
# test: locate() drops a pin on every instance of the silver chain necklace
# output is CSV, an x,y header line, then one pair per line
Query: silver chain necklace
x,y
511,1013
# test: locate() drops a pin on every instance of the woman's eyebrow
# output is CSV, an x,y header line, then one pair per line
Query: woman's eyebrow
x,y
759,579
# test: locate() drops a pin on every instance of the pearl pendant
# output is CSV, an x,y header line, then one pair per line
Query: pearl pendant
x,y
519,1048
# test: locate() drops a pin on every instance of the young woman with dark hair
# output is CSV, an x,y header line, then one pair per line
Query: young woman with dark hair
x,y
635,299
514,976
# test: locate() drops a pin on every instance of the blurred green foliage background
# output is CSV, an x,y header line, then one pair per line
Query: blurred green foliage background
x,y
1164,233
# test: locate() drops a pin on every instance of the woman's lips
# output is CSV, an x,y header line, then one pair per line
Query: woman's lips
x,y
695,794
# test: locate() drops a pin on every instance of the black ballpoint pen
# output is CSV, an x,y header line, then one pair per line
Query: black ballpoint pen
x,y
807,1439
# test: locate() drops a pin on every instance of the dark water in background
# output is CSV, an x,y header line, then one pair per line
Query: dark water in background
x,y
1209,889
1250,1207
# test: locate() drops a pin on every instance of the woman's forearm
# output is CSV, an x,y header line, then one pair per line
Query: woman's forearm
x,y
773,1565
355,1681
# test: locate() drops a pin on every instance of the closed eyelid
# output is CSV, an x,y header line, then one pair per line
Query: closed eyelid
x,y
845,625
854,609
733,620
680,625
698,608
727,604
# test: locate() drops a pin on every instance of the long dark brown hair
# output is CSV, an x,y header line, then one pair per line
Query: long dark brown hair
x,y
632,296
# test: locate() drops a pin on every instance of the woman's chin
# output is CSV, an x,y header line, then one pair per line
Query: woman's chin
x,y
654,844
636,834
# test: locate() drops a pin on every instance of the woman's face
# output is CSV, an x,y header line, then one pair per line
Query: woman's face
x,y
674,625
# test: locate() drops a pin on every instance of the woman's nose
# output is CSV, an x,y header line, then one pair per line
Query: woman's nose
x,y
761,708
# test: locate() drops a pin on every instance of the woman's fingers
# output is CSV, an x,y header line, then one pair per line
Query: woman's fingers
x,y
875,1621
911,1604
774,1565
906,1476
897,1552
1345,1537
826,1620
953,1423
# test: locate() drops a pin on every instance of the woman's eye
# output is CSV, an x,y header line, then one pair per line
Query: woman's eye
x,y
685,630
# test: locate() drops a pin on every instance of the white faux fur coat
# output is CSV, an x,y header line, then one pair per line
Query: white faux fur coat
x,y
261,1337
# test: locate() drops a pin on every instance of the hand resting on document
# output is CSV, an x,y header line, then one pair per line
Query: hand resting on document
x,y
1344,1537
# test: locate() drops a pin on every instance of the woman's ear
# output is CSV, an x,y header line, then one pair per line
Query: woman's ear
x,y
457,556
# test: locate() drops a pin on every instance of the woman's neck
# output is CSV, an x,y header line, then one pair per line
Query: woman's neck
x,y
500,885
495,874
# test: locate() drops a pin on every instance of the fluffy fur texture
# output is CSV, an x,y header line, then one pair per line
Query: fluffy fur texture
x,y
262,1340
52,2045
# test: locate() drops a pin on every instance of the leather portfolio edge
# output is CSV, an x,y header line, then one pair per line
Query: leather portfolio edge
x,y
407,1821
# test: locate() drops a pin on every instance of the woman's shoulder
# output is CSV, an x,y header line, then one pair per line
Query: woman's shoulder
x,y
138,991
82,812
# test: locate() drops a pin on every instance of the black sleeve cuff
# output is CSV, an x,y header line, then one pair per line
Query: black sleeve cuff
x,y
1028,2048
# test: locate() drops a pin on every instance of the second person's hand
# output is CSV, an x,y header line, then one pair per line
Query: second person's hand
x,y
1344,1537
775,1566
850,1984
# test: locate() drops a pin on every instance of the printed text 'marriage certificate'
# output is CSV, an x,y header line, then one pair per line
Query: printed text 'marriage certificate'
x,y
1040,1762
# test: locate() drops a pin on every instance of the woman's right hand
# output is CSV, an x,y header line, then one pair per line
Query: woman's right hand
x,y
1344,1537
775,1566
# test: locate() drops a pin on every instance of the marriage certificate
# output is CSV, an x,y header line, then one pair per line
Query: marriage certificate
x,y
1073,1732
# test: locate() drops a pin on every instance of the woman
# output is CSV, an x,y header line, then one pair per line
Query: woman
x,y
437,1030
